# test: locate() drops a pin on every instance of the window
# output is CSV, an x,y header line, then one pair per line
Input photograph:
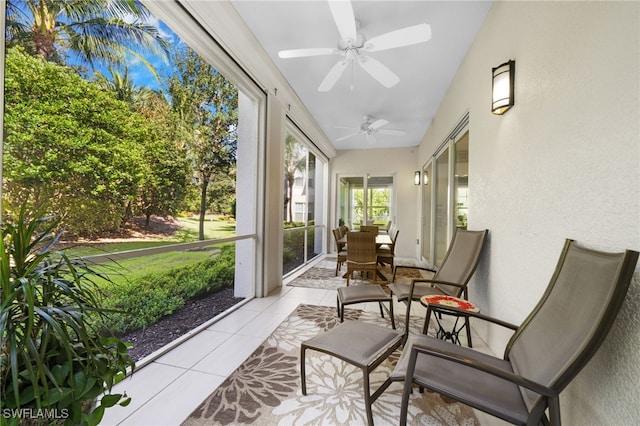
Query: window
x,y
354,209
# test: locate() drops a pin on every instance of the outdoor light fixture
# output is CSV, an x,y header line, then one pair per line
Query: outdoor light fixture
x,y
502,85
425,178
416,177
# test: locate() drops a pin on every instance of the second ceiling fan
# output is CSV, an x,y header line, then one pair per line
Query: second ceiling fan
x,y
352,43
369,128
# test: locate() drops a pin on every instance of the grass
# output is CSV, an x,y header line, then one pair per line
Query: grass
x,y
127,270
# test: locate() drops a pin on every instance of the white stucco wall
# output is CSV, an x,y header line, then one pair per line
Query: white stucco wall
x,y
384,162
563,163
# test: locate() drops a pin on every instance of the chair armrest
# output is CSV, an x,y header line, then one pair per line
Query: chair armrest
x,y
424,268
503,374
421,268
455,311
432,281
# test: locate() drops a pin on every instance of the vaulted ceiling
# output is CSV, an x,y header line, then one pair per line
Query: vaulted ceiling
x,y
425,70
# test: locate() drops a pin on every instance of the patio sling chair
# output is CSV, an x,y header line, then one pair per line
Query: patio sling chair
x,y
544,354
453,275
451,278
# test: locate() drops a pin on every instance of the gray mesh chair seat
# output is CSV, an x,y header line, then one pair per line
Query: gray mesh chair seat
x,y
544,354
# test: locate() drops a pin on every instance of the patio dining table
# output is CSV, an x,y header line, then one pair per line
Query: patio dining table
x,y
381,239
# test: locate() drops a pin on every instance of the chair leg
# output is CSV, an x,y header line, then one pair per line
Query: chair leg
x,y
390,311
367,396
468,327
303,379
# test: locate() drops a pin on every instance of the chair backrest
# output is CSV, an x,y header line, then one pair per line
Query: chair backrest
x,y
572,318
337,236
370,228
394,238
460,261
361,247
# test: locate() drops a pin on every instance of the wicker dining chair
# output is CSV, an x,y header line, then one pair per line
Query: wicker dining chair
x,y
341,253
386,254
361,254
370,228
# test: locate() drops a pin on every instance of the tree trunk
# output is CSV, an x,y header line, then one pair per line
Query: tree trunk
x,y
291,201
203,208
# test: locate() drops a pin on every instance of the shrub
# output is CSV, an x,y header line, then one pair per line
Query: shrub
x,y
150,297
52,357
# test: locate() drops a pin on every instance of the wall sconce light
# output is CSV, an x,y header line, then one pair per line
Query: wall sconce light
x,y
502,87
425,178
416,177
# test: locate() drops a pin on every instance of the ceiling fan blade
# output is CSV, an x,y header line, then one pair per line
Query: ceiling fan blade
x,y
342,12
384,75
332,77
393,132
378,123
345,127
347,137
370,138
399,38
301,53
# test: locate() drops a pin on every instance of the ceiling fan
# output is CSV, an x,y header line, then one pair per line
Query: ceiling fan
x,y
369,128
352,44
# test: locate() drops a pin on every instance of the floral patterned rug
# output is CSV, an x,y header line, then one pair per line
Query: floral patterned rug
x,y
265,389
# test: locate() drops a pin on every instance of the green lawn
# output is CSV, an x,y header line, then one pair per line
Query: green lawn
x,y
127,270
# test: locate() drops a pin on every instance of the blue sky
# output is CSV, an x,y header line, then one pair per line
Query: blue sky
x,y
138,71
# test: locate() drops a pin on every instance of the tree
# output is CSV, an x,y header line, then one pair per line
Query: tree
x,y
164,185
70,147
294,161
206,105
165,180
124,88
95,31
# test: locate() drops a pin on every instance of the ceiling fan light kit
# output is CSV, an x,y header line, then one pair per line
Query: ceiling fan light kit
x,y
352,44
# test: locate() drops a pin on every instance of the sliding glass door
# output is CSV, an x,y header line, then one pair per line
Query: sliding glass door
x,y
445,194
304,183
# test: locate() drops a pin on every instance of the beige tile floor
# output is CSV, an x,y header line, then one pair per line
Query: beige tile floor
x,y
165,390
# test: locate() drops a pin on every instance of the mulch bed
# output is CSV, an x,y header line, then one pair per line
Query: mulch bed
x,y
194,313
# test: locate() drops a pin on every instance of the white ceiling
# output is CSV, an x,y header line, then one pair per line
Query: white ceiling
x,y
425,69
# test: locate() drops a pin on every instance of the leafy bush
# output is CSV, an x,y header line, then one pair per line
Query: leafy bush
x,y
52,357
147,299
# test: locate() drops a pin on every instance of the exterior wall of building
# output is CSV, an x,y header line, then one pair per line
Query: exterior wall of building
x,y
564,162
